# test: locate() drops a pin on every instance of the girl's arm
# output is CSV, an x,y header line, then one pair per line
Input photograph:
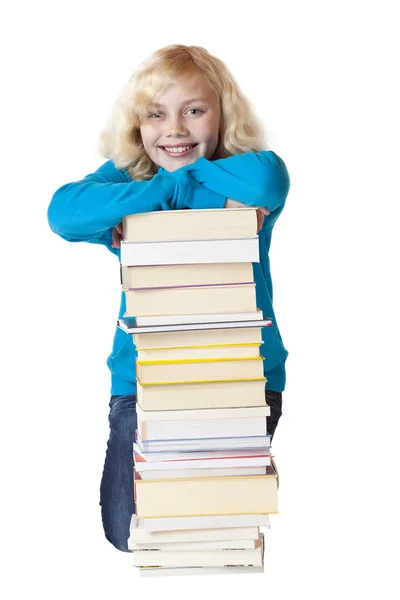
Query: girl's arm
x,y
89,209
253,178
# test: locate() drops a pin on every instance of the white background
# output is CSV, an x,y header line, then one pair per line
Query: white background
x,y
323,77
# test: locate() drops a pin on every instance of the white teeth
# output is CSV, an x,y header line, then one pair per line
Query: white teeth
x,y
177,150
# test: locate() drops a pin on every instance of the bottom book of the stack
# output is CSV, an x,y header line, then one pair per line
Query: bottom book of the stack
x,y
157,572
208,546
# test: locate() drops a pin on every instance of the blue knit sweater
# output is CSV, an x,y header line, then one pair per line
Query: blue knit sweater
x,y
87,210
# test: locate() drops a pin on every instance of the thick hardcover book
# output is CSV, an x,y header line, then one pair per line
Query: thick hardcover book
x,y
212,299
225,394
195,224
156,276
185,571
250,494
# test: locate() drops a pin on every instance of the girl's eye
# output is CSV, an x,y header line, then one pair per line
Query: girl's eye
x,y
150,116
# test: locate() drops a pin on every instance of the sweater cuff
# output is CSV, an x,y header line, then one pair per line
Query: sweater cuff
x,y
189,193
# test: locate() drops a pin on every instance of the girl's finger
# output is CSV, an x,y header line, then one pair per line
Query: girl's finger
x,y
115,238
260,220
264,210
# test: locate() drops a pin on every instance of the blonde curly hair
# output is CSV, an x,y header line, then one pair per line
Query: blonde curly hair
x,y
121,140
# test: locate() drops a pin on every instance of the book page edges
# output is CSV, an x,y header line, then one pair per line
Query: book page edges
x,y
196,360
239,514
198,347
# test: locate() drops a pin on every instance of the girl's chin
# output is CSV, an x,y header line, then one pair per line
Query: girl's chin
x,y
174,164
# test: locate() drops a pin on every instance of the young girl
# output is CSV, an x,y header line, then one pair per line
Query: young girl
x,y
181,135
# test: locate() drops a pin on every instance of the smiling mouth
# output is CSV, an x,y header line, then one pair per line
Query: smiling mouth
x,y
180,150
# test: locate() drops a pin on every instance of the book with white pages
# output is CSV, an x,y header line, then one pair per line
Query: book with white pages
x,y
203,423
190,252
208,545
170,323
200,454
138,534
212,443
258,459
202,429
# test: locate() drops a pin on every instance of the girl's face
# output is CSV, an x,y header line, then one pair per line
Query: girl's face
x,y
187,114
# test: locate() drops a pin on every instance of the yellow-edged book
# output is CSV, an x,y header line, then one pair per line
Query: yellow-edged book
x,y
206,337
207,369
200,352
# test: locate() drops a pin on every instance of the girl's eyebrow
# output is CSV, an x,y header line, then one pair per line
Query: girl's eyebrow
x,y
185,102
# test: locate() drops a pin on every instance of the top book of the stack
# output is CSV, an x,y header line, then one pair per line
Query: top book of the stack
x,y
190,224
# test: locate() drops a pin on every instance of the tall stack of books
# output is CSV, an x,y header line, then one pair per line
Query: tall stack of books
x,y
204,483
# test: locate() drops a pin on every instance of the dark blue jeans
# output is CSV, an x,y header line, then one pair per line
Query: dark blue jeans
x,y
116,488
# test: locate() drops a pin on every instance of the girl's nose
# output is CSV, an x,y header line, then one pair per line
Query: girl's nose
x,y
176,125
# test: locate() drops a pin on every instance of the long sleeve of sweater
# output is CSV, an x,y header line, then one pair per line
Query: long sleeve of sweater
x,y
84,210
88,209
253,178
